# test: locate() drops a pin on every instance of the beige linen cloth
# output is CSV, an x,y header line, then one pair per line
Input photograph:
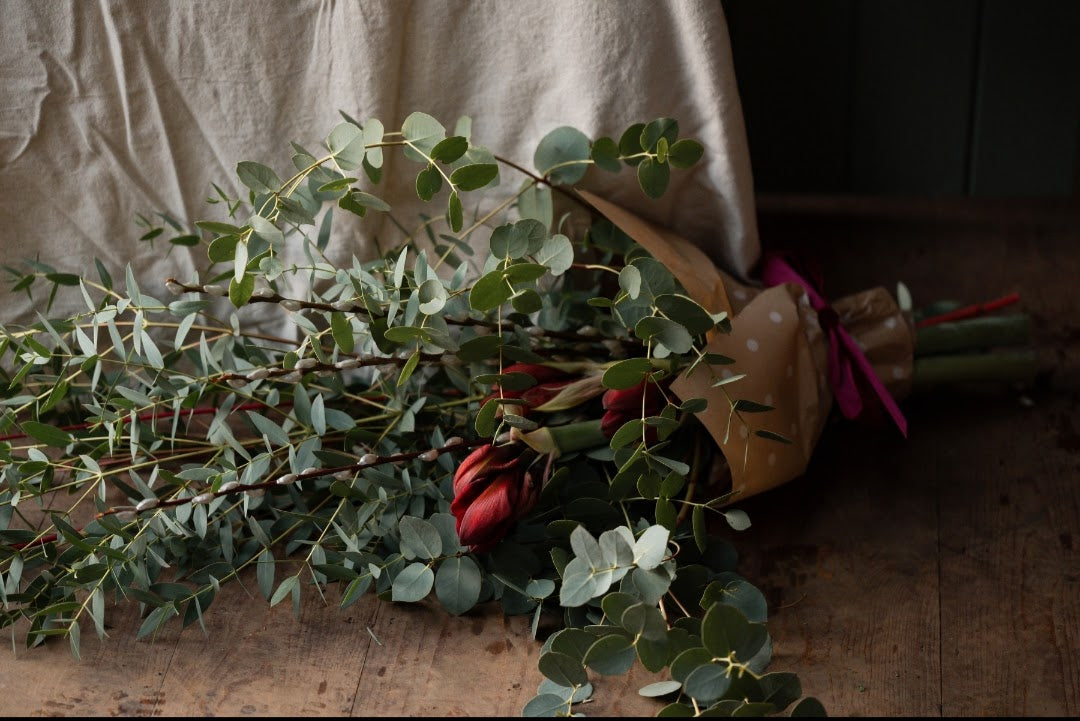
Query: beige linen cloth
x,y
108,109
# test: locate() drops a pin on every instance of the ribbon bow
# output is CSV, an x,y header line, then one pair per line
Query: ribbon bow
x,y
845,356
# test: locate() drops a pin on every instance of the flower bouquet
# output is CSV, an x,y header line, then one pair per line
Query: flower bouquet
x,y
554,425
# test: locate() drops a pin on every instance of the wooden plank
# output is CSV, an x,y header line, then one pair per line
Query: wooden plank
x,y
847,558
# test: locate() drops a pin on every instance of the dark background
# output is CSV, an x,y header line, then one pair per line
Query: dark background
x,y
915,97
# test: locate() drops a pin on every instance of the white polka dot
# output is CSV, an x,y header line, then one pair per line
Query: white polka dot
x,y
727,373
790,371
775,316
804,299
890,322
772,459
768,399
744,432
739,294
752,345
897,372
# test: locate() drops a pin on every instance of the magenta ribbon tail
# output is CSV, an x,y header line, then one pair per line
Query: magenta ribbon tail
x,y
844,353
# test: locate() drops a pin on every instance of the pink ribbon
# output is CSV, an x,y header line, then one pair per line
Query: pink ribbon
x,y
845,356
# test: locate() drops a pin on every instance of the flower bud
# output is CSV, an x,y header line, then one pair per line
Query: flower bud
x,y
258,374
429,455
342,305
263,292
146,504
492,491
228,486
347,364
218,290
202,499
287,479
369,459
290,304
173,287
305,363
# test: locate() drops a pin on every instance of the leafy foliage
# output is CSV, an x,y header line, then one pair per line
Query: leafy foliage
x,y
169,449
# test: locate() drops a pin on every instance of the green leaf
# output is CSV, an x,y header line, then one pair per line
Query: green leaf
x,y
485,418
479,348
44,433
707,683
535,202
424,132
653,177
685,311
663,330
780,689
240,292
644,620
454,213
216,228
449,149
527,301
611,655
734,590
701,537
267,231
557,253
626,374
630,281
651,134
490,291
562,669
558,153
660,688
408,368
630,142
605,153
745,406
809,706
579,584
270,430
737,519
367,200
258,177
432,295
545,705
726,630
185,240
336,185
419,539
428,182
685,153
346,144
629,432
651,547
373,159
342,331
457,584
264,573
413,583
284,589
475,176
223,249
772,436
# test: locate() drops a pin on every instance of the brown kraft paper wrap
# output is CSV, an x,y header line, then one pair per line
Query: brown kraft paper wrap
x,y
777,342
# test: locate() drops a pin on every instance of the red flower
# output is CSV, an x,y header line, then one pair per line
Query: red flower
x,y
549,381
623,406
492,491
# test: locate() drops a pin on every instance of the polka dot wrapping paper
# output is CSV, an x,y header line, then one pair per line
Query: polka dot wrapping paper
x,y
778,345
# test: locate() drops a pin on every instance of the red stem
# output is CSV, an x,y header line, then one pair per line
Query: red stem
x,y
969,311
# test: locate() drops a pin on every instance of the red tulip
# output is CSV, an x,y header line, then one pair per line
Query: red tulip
x,y
623,406
492,491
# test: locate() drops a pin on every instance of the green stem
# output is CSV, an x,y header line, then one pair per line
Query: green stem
x,y
1003,367
974,333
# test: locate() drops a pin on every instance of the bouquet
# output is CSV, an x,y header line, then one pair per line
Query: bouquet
x,y
555,425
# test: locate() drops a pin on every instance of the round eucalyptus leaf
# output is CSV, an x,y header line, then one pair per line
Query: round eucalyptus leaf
x,y
665,128
545,705
562,669
424,132
562,155
574,642
527,301
449,149
809,706
726,630
653,177
685,153
708,682
660,688
630,143
664,330
457,584
490,291
432,296
611,655
475,176
557,253
626,374
605,153
687,661
413,583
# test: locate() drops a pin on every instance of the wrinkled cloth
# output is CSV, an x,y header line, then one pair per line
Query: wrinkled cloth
x,y
111,109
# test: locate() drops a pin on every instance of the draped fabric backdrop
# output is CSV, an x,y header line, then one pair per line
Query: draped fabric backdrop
x,y
108,109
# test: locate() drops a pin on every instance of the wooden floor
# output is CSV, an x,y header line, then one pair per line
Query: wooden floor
x,y
934,576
